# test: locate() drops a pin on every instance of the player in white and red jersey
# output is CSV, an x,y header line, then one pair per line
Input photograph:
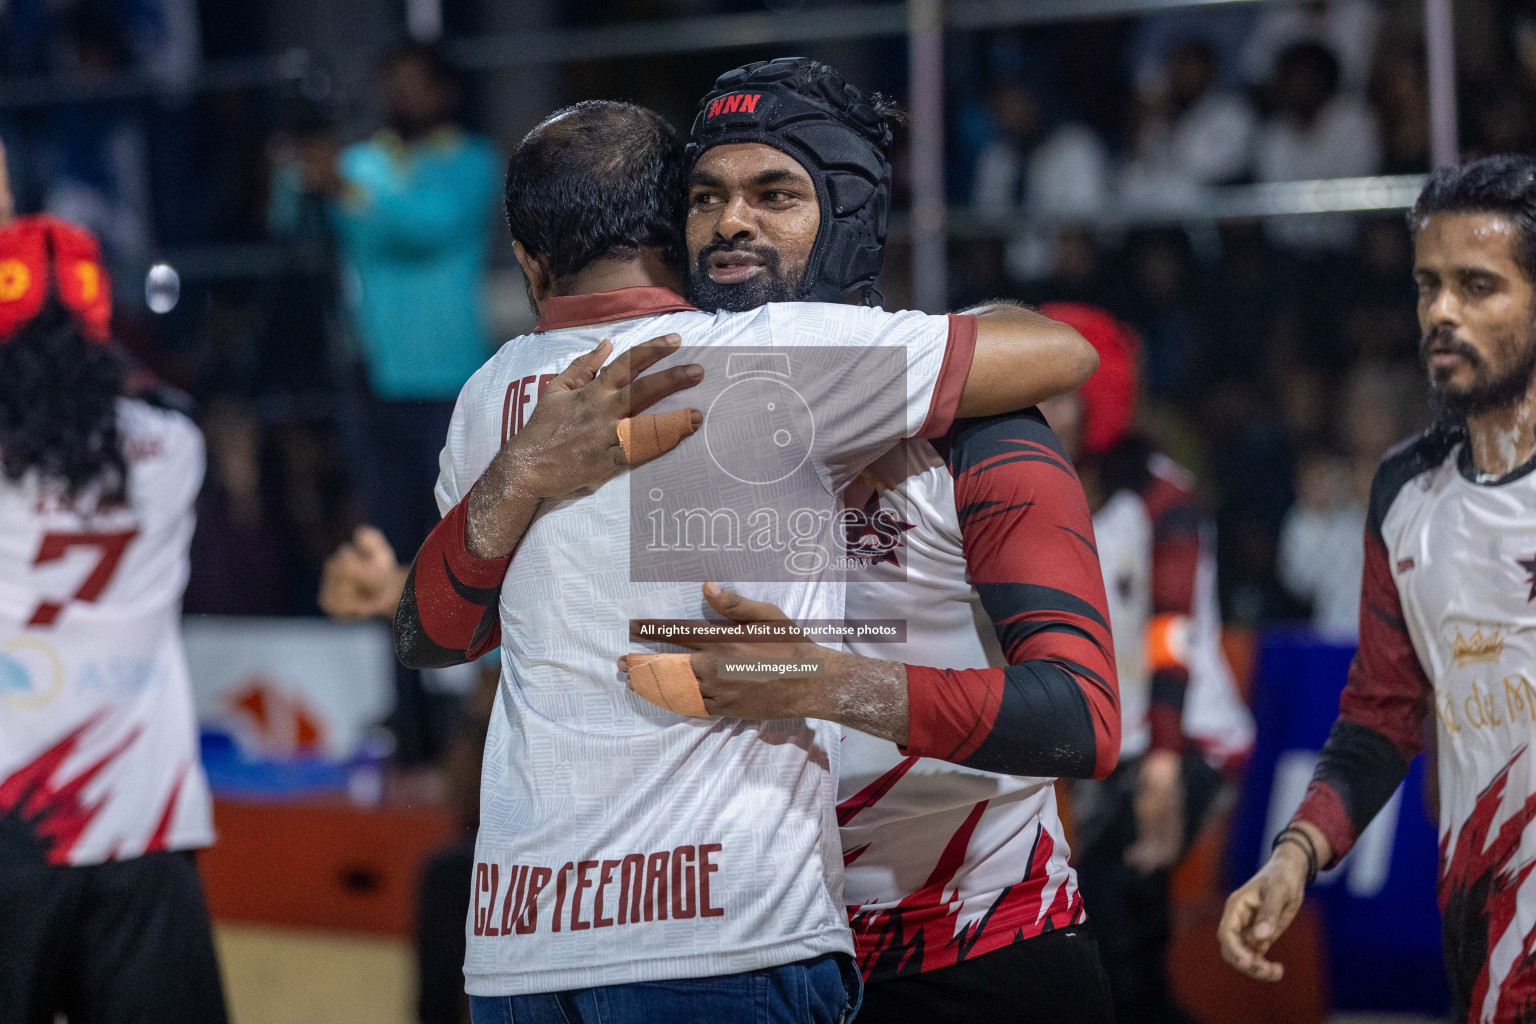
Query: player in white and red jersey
x,y
621,845
102,795
958,883
1183,722
1446,621
979,545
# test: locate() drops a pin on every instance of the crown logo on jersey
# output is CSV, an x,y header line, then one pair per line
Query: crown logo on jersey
x,y
1477,648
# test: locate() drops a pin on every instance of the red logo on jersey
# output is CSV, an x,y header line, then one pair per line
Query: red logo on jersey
x,y
873,535
1403,565
743,102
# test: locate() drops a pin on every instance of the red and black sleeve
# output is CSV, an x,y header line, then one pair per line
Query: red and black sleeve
x,y
1385,701
1177,528
448,614
1029,547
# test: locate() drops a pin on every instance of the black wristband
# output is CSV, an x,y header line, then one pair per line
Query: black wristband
x,y
1299,838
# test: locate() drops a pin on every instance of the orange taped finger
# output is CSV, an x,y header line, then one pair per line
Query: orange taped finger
x,y
667,680
655,433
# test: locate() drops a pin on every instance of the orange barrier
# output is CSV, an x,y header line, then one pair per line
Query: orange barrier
x,y
321,864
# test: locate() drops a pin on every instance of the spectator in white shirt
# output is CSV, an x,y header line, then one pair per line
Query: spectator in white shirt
x,y
1192,133
1315,132
1349,28
1320,558
1061,170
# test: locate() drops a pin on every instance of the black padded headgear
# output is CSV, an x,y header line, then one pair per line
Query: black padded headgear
x,y
830,128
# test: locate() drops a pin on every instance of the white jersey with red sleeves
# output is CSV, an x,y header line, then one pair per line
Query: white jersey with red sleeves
x,y
98,739
620,842
993,573
1158,555
1448,627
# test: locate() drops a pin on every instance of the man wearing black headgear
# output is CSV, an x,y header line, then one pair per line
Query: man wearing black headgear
x,y
788,138
960,895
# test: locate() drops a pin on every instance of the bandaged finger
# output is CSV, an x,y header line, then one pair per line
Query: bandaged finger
x,y
667,680
654,433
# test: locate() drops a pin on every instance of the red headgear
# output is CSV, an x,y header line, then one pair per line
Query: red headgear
x,y
42,254
1109,396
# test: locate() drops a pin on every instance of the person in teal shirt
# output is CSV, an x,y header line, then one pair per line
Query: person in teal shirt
x,y
413,225
411,209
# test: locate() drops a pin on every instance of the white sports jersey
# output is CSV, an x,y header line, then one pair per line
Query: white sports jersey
x,y
1463,556
1447,627
619,842
98,740
1128,529
946,862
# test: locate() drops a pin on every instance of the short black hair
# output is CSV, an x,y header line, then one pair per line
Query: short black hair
x,y
1314,56
429,55
1503,185
598,180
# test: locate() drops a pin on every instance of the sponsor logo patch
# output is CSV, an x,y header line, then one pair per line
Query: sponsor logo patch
x,y
736,102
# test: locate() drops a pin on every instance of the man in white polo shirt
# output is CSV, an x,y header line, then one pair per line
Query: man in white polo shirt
x,y
632,863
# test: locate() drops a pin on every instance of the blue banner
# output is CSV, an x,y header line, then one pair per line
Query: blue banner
x,y
1381,920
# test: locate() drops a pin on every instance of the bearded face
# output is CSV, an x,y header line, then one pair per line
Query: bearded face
x,y
737,276
753,215
1476,312
1484,386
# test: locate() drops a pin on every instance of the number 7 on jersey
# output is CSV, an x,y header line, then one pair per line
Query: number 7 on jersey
x,y
56,545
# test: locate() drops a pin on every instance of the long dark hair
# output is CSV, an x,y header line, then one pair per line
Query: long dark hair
x,y
58,408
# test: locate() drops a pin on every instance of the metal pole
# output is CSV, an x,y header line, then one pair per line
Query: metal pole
x,y
925,48
1440,59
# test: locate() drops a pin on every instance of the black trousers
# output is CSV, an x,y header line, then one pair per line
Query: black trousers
x,y
1055,978
1130,911
126,942
394,450
442,907
404,439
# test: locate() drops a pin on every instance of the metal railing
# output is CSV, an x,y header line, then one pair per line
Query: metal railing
x,y
1229,202
1224,203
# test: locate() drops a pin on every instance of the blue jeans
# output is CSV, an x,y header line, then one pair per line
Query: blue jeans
x,y
824,990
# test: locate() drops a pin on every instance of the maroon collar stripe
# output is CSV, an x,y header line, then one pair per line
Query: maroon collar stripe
x,y
564,311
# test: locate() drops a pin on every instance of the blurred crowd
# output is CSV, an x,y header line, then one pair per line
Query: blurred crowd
x,y
1280,357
